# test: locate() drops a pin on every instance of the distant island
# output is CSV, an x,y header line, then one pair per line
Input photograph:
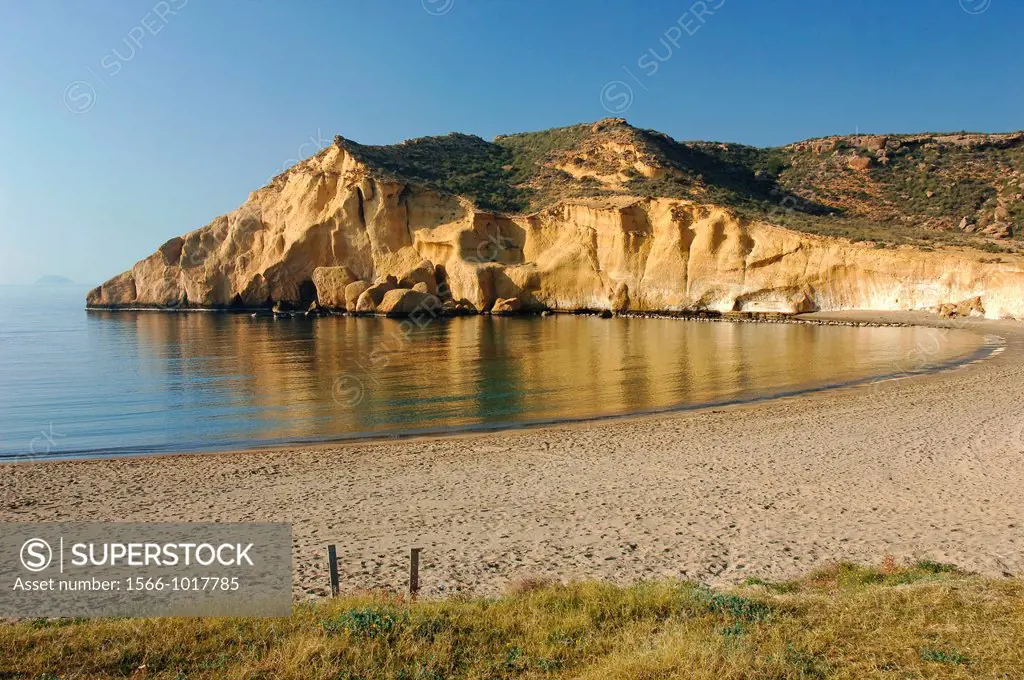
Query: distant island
x,y
609,218
54,280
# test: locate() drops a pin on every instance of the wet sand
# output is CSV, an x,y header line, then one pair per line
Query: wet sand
x,y
924,467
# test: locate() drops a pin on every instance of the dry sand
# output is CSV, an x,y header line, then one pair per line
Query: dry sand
x,y
923,467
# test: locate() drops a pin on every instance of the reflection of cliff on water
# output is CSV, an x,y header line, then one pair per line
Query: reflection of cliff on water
x,y
229,378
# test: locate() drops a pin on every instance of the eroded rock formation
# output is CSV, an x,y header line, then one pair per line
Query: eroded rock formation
x,y
334,230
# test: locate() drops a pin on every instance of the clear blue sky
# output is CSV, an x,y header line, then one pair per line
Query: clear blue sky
x,y
123,124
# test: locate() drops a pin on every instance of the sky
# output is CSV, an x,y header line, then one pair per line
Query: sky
x,y
123,124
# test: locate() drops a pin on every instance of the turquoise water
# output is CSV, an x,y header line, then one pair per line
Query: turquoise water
x,y
77,383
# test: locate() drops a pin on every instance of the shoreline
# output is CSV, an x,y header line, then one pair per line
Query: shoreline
x,y
818,318
715,494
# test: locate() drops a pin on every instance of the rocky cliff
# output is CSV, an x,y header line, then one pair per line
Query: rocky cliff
x,y
357,229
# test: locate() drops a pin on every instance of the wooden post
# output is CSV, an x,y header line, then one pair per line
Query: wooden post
x,y
414,571
332,566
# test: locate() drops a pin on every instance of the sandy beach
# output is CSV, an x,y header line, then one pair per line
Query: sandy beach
x,y
922,467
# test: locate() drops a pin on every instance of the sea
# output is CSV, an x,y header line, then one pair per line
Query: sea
x,y
77,383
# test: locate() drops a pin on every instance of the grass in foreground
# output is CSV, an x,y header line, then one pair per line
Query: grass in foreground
x,y
924,621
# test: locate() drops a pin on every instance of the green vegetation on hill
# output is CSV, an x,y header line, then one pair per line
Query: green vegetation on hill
x,y
915,189
531,150
924,621
893,189
520,173
456,164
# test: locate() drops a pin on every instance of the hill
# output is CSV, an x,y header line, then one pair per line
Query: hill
x,y
606,216
926,189
54,280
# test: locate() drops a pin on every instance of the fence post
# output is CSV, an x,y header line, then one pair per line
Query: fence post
x,y
332,566
414,571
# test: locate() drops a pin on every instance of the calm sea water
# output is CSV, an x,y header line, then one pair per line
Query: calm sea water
x,y
77,383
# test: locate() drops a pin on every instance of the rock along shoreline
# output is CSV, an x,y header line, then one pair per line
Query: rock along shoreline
x,y
703,316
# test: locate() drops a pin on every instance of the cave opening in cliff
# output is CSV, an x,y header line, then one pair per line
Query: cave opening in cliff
x,y
307,292
441,276
360,208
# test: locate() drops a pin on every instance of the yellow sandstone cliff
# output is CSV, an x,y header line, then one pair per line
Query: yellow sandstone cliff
x,y
332,230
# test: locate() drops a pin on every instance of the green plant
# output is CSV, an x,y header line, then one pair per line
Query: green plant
x,y
739,607
949,656
367,622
